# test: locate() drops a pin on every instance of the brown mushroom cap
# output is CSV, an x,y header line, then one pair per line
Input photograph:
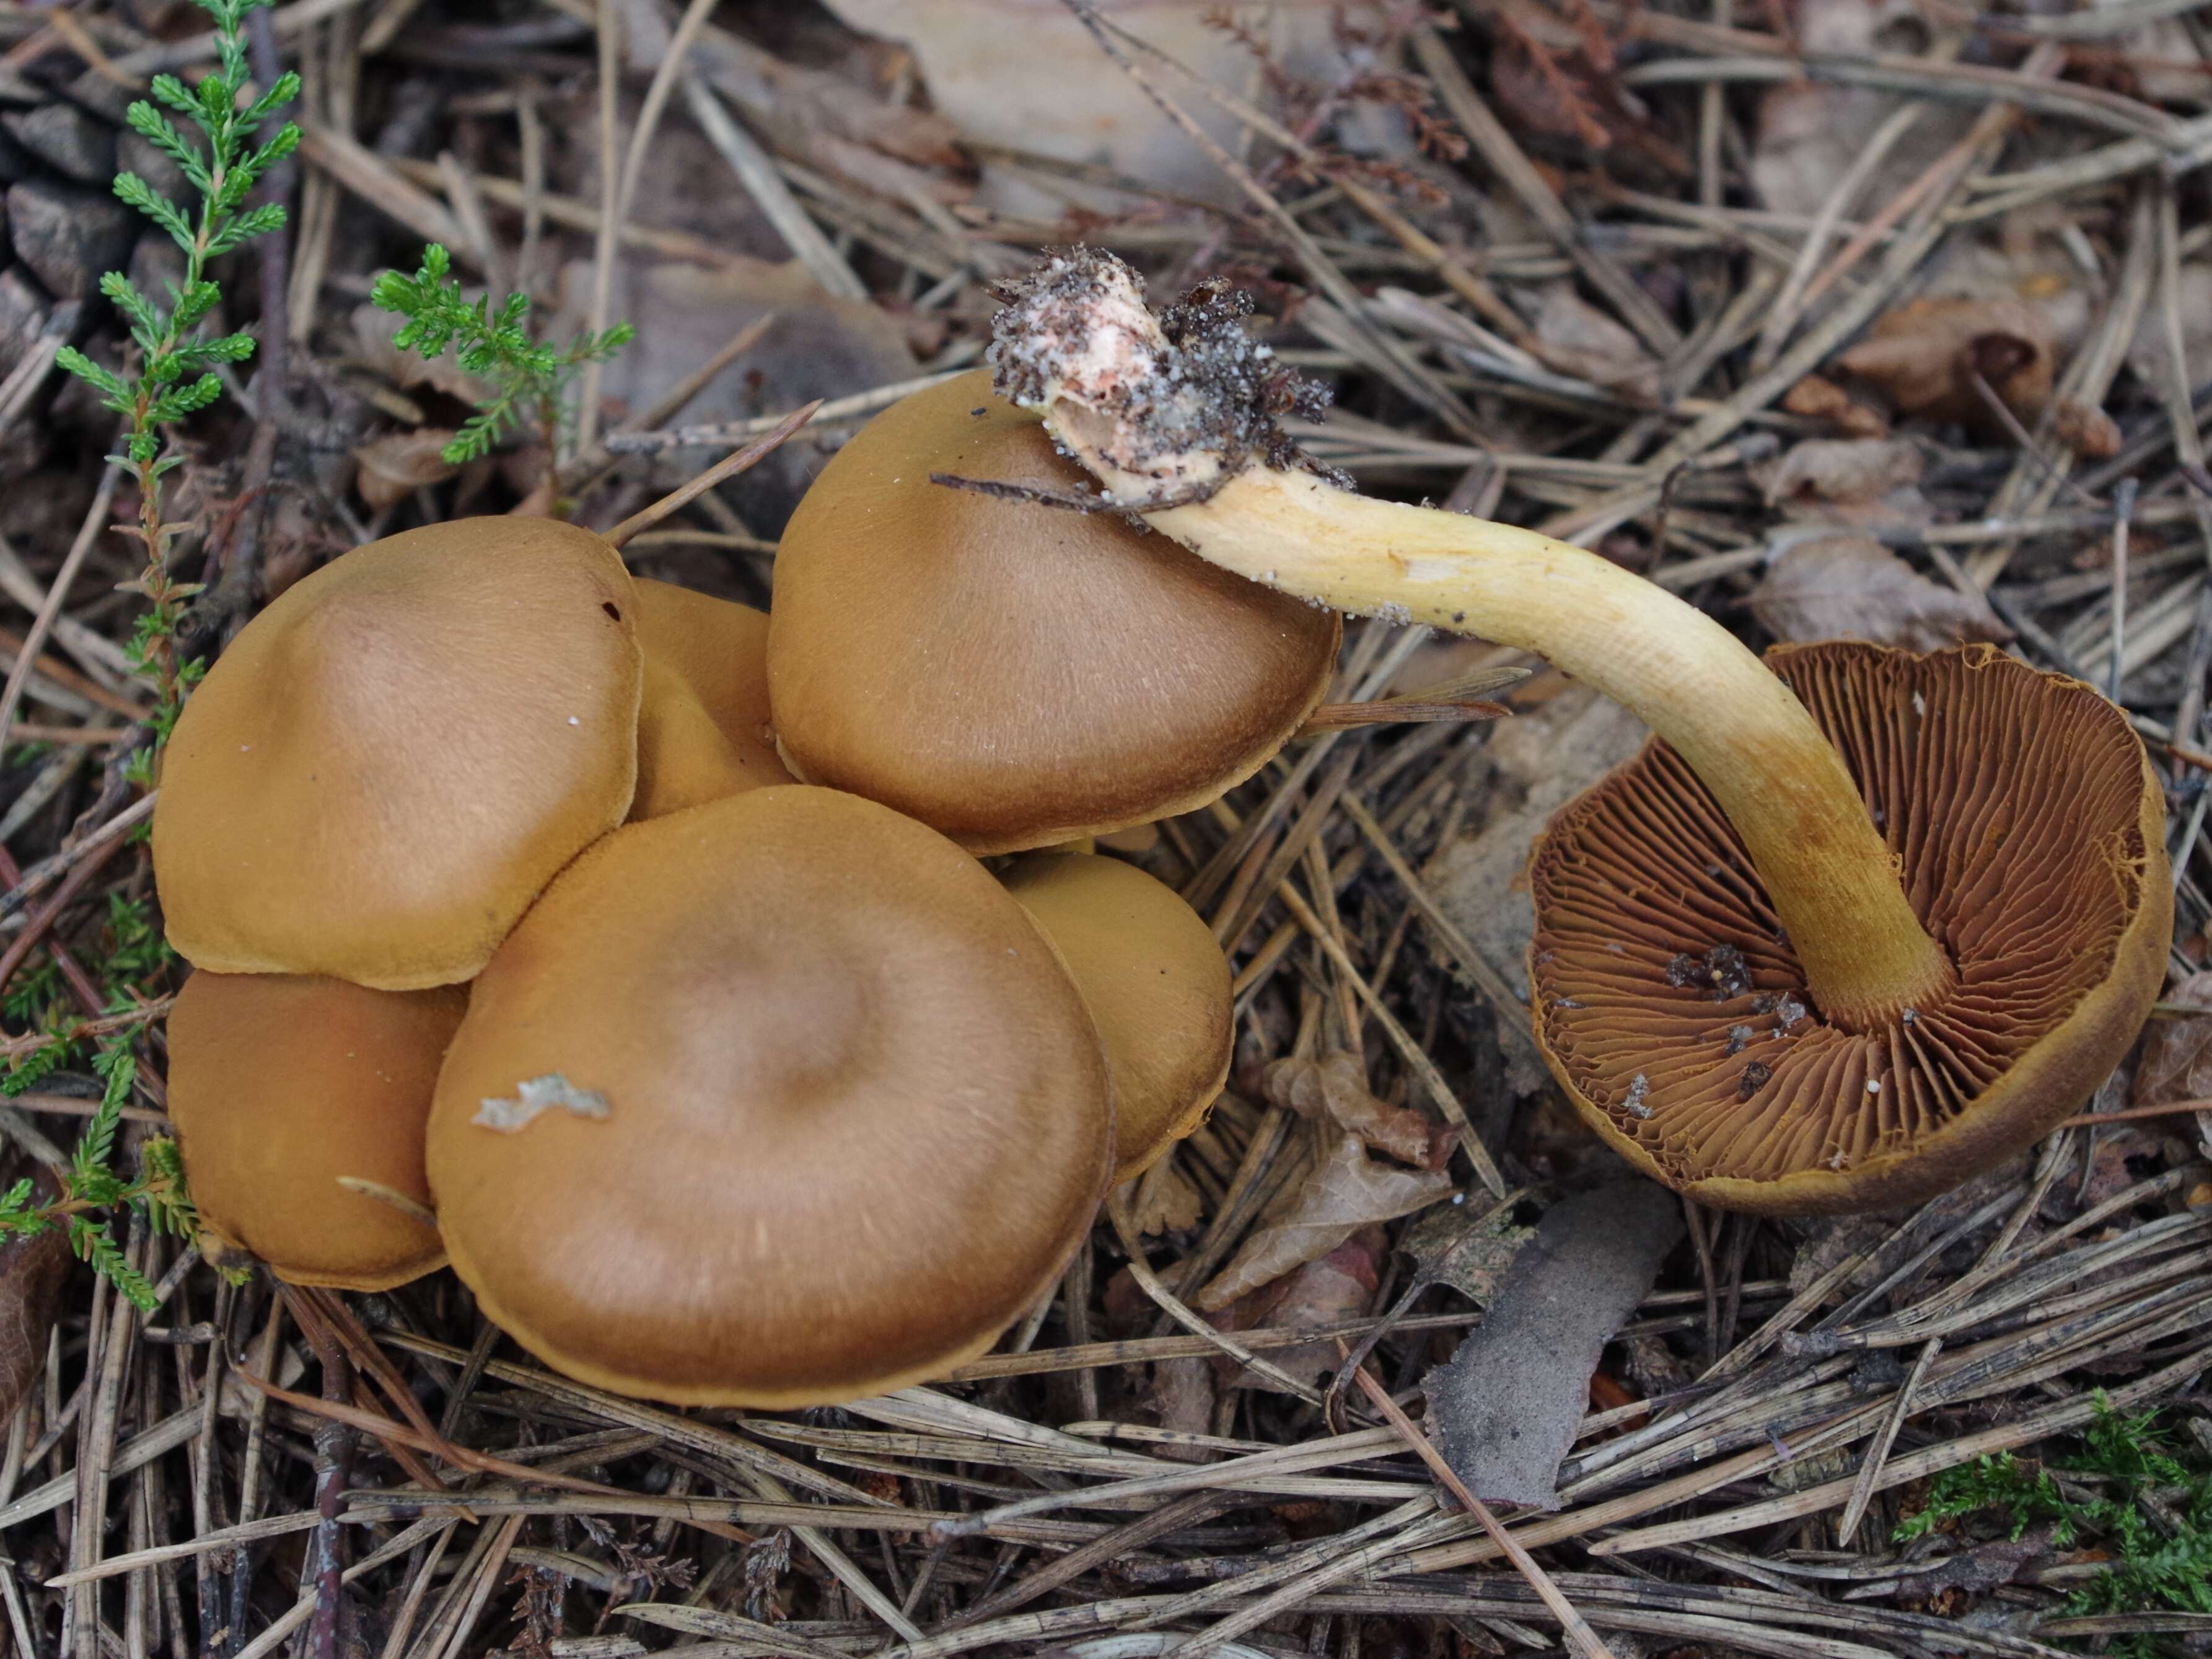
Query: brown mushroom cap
x,y
1016,675
821,1113
2029,831
703,722
1155,982
390,762
280,1085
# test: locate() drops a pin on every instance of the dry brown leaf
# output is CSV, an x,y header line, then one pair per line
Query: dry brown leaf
x,y
1335,1089
1847,586
1345,1191
1927,356
2177,1052
1338,1288
1164,1200
2086,431
817,346
2150,354
1838,470
1810,134
1465,1245
1577,339
32,1273
1182,1399
1818,399
397,464
1030,76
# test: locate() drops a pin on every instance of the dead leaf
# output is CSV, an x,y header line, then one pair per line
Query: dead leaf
x,y
1335,1089
1810,135
1538,761
1828,1242
1866,484
1577,339
2177,1052
1927,356
818,346
1345,1191
1838,470
1545,80
2087,431
1847,586
398,463
1464,1245
2150,354
1182,1399
1818,399
32,1273
1505,1408
1338,1288
1030,76
1165,1200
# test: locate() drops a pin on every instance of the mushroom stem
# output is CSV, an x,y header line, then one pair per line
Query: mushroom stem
x,y
1156,422
1832,881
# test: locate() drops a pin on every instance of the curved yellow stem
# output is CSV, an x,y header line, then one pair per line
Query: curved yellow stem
x,y
1833,882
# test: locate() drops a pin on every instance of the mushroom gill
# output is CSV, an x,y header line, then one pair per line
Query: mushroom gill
x,y
2026,829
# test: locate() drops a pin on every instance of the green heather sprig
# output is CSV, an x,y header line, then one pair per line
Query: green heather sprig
x,y
214,139
91,1190
175,373
528,380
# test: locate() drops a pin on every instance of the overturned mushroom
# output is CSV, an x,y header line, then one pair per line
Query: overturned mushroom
x,y
300,1103
388,763
2026,822
776,1102
1012,675
1180,422
1153,976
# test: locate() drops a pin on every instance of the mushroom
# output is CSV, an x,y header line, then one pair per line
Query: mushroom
x,y
1180,423
2024,818
776,1102
1155,982
703,721
1010,675
387,764
300,1103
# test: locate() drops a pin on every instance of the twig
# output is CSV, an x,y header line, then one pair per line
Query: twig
x,y
751,455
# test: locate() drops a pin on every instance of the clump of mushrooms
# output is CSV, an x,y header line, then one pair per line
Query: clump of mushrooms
x,y
483,753
1872,884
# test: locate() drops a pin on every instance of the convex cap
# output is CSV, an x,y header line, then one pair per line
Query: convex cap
x,y
392,759
2029,831
776,1102
1011,674
282,1086
1155,982
703,723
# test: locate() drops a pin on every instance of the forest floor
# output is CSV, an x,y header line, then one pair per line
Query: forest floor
x,y
1835,317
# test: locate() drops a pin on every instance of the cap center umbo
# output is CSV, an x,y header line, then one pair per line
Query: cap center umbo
x,y
1676,1005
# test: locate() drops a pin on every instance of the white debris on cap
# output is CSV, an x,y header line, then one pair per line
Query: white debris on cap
x,y
538,1095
